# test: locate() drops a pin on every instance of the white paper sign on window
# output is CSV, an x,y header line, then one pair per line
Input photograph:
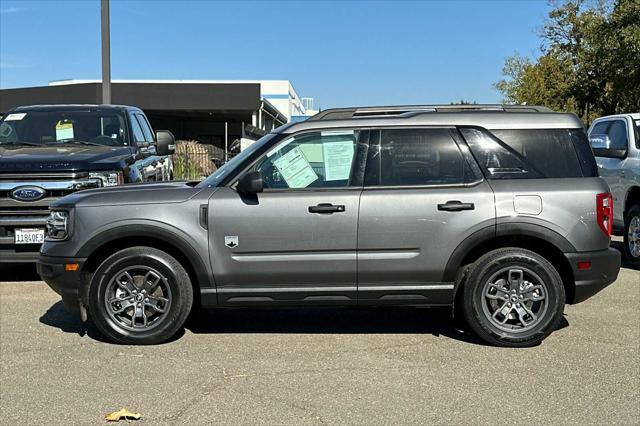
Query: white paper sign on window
x,y
295,169
64,130
338,157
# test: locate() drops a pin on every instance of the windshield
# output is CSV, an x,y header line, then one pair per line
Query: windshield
x,y
638,125
54,127
219,175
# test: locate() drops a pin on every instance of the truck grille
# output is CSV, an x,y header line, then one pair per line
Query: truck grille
x,y
15,214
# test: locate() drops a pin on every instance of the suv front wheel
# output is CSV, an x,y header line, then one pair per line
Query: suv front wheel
x,y
513,297
140,295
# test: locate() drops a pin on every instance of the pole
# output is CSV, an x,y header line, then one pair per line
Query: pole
x,y
106,52
226,141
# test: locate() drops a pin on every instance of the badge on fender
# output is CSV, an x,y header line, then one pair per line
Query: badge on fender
x,y
231,241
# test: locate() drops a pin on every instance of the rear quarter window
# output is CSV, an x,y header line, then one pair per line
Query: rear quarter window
x,y
532,153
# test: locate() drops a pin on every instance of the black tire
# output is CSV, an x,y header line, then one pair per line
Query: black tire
x,y
173,293
632,214
481,294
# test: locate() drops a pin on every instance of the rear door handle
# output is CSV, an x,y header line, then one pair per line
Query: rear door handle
x,y
326,208
455,206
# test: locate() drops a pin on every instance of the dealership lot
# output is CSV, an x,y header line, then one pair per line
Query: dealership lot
x,y
318,366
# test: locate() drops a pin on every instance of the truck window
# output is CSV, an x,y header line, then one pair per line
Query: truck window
x,y
146,129
608,136
64,126
138,134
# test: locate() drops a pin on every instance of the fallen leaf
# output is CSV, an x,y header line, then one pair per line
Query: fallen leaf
x,y
123,414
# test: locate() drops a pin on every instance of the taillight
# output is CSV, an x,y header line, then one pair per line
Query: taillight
x,y
604,212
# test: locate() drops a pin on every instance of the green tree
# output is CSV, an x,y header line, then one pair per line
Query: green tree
x,y
590,61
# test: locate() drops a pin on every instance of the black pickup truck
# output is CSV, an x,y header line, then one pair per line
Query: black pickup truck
x,y
49,151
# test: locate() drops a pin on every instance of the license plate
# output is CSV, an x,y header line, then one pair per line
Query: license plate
x,y
29,236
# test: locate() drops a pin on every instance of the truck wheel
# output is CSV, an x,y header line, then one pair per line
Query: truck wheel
x,y
632,235
513,297
140,295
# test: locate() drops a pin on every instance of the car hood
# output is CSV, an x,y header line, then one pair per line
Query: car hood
x,y
61,158
130,195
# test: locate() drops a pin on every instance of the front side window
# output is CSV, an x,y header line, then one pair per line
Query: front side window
x,y
410,157
57,127
138,134
146,129
311,160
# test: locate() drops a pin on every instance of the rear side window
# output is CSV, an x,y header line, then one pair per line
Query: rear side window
x,y
408,157
532,153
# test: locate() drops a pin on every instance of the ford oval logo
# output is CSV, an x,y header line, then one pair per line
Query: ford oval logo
x,y
28,193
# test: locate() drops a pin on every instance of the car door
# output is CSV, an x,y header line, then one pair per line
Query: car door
x,y
422,197
607,137
294,243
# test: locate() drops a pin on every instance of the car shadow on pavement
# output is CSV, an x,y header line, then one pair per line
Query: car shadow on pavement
x,y
18,272
435,321
58,316
382,320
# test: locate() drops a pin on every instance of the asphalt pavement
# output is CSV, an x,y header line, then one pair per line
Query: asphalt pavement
x,y
363,366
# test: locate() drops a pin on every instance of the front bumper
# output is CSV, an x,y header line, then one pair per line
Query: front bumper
x,y
68,284
605,265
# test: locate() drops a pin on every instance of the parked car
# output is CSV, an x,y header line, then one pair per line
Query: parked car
x,y
615,140
496,210
49,151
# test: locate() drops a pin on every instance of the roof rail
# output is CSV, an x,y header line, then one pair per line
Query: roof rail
x,y
398,111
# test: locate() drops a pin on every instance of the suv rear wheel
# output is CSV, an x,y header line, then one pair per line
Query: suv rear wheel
x,y
140,295
632,235
513,297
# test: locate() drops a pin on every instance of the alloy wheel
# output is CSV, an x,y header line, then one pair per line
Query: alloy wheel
x,y
514,299
138,298
633,236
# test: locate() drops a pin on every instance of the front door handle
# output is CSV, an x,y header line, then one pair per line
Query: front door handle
x,y
326,208
455,206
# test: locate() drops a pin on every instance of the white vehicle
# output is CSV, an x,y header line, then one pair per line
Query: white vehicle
x,y
615,140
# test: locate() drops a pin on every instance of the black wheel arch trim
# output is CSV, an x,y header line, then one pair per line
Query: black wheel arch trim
x,y
97,241
501,230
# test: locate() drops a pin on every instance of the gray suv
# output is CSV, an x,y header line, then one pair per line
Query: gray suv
x,y
615,140
497,211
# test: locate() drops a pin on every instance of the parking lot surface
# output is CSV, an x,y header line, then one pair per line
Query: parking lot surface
x,y
318,366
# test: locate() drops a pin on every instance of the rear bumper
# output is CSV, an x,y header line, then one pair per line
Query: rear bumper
x,y
603,271
68,284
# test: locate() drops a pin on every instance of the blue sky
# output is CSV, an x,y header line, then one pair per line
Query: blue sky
x,y
340,53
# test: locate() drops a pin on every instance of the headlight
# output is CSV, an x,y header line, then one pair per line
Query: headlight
x,y
58,225
110,178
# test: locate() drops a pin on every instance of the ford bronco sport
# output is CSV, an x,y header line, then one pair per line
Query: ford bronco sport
x,y
615,140
496,210
49,151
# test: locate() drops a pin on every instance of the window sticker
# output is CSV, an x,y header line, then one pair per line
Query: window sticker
x,y
295,169
337,159
15,116
64,130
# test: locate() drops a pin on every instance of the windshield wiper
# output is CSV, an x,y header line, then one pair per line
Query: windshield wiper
x,y
62,141
21,143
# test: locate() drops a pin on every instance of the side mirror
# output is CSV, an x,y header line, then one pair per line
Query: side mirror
x,y
250,184
166,144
